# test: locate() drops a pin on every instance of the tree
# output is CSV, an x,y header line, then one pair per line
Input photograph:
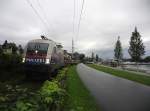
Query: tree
x,y
76,56
147,59
81,57
136,49
14,47
5,45
20,49
97,58
1,50
118,50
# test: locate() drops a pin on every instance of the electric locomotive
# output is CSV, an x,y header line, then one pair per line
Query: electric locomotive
x,y
42,58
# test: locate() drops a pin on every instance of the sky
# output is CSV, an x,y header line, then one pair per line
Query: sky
x,y
101,23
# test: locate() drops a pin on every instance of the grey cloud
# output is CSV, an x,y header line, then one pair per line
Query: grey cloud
x,y
102,22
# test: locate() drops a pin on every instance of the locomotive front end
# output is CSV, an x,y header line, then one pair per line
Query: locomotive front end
x,y
43,58
36,60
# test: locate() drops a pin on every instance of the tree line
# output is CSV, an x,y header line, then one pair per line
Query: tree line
x,y
136,49
10,54
9,45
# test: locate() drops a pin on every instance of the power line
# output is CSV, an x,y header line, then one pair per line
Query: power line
x,y
80,17
36,12
79,23
44,14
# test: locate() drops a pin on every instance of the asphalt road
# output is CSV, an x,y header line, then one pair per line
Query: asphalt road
x,y
113,93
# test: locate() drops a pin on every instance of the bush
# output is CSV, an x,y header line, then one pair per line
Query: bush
x,y
10,61
15,98
50,96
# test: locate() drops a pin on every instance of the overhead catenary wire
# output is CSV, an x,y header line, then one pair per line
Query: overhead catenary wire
x,y
39,16
43,12
74,15
80,18
79,23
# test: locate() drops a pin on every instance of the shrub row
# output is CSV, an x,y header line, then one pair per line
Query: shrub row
x,y
50,97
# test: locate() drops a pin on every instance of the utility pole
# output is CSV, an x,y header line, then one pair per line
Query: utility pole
x,y
72,47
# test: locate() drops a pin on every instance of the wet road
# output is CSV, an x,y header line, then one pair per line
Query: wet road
x,y
113,93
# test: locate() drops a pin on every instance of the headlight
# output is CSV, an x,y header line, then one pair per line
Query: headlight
x,y
23,60
47,61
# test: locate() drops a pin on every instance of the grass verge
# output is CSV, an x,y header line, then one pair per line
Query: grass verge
x,y
124,74
79,98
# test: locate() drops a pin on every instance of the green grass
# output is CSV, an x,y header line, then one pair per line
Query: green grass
x,y
124,74
79,98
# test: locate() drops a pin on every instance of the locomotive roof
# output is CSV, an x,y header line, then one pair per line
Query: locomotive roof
x,y
45,41
41,41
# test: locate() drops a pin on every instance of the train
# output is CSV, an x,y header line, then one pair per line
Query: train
x,y
43,57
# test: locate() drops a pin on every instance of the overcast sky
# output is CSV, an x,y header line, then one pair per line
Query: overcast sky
x,y
102,21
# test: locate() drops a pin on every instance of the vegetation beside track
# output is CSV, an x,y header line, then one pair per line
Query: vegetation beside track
x,y
143,79
33,96
18,94
79,98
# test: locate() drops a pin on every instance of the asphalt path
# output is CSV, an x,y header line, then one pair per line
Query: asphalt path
x,y
114,93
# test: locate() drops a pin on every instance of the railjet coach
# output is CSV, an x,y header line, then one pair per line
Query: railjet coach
x,y
42,58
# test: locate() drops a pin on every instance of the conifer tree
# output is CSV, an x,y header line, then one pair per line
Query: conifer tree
x,y
118,50
137,48
20,49
97,58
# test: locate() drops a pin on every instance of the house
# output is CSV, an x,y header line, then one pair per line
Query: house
x,y
7,50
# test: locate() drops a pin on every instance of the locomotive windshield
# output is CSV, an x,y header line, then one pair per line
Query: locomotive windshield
x,y
40,47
